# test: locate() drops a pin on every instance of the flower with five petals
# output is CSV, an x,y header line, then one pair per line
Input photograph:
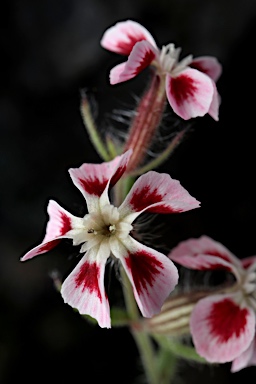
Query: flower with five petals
x,y
222,325
189,83
105,231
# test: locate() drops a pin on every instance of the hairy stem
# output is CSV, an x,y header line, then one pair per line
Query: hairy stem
x,y
142,339
146,121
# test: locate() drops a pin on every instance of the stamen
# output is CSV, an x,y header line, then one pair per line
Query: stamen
x,y
249,288
91,230
112,228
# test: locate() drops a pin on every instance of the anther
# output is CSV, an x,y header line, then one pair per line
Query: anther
x,y
112,228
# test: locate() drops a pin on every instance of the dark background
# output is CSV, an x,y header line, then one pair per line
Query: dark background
x,y
49,51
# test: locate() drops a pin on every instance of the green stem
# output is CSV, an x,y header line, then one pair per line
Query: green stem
x,y
142,339
166,366
91,128
179,349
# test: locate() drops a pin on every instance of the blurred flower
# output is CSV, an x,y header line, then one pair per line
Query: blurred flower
x,y
189,83
246,359
105,231
222,325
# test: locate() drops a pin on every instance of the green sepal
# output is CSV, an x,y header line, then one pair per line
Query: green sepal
x,y
92,129
179,349
119,317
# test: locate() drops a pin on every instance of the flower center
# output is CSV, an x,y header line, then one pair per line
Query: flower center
x,y
100,226
102,223
169,57
105,230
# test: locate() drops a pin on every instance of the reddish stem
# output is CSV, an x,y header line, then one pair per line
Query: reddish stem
x,y
146,121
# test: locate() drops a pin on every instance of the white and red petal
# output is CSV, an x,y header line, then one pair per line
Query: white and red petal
x,y
204,253
221,329
208,65
151,274
115,73
246,359
141,56
159,193
122,37
214,107
60,223
93,179
84,288
247,262
190,94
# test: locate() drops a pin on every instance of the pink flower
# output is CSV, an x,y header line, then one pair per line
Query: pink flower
x,y
222,325
190,83
105,231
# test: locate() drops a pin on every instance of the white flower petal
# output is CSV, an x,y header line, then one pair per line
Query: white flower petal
x,y
84,288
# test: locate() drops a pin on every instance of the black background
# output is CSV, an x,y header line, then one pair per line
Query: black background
x,y
49,51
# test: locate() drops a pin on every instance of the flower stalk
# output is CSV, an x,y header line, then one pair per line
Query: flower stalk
x,y
91,128
142,339
147,118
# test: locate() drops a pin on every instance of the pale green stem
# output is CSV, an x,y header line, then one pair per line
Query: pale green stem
x,y
166,366
179,349
142,339
112,148
92,130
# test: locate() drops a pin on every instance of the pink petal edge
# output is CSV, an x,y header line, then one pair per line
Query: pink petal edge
x,y
246,359
141,56
204,253
122,37
208,65
59,224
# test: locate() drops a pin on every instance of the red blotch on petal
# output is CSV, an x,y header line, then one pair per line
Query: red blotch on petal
x,y
226,320
126,47
93,186
183,87
88,278
199,66
145,61
215,266
147,196
65,223
119,172
48,246
217,254
144,267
